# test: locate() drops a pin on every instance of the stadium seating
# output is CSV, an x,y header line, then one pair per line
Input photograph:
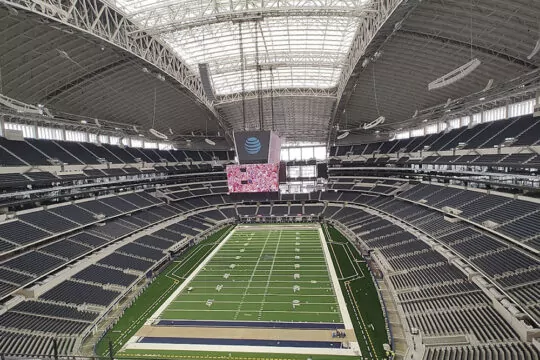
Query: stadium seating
x,y
41,152
484,135
516,350
104,276
99,284
510,268
432,292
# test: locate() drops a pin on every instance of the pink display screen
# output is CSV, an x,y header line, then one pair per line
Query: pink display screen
x,y
251,178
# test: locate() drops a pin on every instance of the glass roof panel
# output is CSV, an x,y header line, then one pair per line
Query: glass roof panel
x,y
285,43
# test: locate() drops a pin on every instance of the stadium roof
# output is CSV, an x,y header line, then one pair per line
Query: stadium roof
x,y
309,65
293,43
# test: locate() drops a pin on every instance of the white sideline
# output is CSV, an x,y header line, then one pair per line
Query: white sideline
x,y
335,283
241,348
194,273
337,289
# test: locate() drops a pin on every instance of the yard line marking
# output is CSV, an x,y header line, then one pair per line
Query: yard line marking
x,y
252,274
269,277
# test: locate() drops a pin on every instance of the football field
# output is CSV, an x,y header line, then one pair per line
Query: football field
x,y
261,275
263,289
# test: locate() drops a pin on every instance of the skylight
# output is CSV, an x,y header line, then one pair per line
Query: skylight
x,y
297,43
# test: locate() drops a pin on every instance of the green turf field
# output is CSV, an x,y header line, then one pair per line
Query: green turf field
x,y
357,286
257,275
219,355
360,294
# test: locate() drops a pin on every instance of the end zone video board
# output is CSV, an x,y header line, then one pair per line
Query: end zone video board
x,y
253,178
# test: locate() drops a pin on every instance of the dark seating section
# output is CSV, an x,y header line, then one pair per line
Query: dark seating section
x,y
517,350
215,215
66,249
28,267
7,288
88,239
505,261
48,221
33,263
123,262
55,151
10,159
77,293
14,277
75,214
154,242
111,230
98,208
416,267
53,310
15,320
41,152
369,185
518,219
20,233
41,176
486,135
17,343
141,252
24,151
118,203
229,212
104,276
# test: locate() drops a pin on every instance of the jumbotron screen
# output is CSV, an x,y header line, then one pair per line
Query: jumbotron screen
x,y
252,178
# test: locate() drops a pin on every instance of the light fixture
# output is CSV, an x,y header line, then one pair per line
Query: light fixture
x,y
488,85
206,139
157,134
63,54
374,123
454,75
343,135
535,50
12,11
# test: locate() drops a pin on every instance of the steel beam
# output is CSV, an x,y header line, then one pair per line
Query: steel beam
x,y
101,20
290,92
372,33
164,17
